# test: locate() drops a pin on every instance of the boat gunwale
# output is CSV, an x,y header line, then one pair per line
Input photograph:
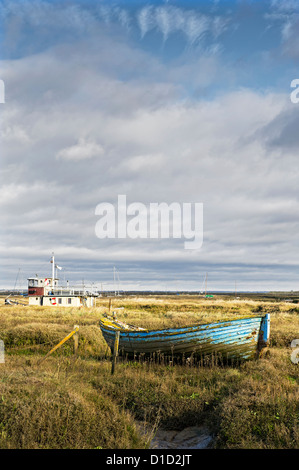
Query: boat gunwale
x,y
163,331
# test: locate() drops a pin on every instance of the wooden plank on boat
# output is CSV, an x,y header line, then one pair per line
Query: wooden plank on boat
x,y
239,338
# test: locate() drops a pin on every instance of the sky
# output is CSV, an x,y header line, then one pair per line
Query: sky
x,y
160,101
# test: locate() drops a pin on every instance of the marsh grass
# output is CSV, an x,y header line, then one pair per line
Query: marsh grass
x,y
75,402
56,407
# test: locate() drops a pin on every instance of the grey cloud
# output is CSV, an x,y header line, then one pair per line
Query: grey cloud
x,y
191,152
281,133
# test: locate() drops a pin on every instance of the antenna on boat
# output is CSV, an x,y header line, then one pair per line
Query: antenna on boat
x,y
118,281
16,279
53,269
201,289
114,281
115,275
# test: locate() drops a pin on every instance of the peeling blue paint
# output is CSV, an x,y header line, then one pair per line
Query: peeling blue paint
x,y
232,339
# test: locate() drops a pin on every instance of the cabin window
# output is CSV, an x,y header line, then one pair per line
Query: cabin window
x,y
69,301
59,301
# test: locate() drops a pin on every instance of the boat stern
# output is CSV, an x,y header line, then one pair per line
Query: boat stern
x,y
264,335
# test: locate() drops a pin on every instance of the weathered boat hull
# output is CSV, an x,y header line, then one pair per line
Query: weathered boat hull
x,y
235,339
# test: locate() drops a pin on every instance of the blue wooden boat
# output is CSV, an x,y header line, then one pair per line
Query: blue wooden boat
x,y
235,339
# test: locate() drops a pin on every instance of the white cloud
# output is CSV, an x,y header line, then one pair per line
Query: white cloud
x,y
166,19
286,14
140,163
16,134
83,150
285,5
169,20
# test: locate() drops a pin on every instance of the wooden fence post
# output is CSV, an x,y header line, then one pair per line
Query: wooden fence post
x,y
59,344
115,351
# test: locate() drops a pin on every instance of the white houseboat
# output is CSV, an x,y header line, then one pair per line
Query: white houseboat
x,y
47,292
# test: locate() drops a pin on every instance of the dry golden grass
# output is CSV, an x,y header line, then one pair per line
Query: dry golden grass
x,y
74,402
55,406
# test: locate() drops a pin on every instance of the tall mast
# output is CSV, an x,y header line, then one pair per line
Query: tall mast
x,y
53,270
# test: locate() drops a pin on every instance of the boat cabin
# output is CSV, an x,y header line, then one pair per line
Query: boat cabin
x,y
46,291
